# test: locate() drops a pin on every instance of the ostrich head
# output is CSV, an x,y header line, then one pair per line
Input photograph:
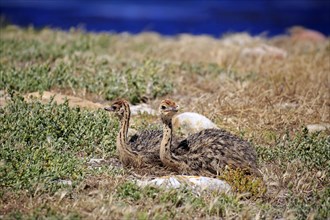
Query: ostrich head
x,y
119,107
168,109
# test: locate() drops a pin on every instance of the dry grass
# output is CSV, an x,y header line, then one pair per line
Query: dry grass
x,y
266,99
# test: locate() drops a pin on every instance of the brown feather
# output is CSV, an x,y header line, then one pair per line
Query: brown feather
x,y
143,148
207,152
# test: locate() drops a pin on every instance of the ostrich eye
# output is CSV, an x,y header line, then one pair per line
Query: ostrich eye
x,y
114,107
163,107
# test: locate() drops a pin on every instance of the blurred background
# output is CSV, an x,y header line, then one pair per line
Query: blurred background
x,y
171,17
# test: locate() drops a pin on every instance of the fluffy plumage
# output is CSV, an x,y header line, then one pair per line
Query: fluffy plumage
x,y
142,148
207,152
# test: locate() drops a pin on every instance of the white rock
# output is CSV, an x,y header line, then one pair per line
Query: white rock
x,y
286,105
96,162
191,122
196,183
142,108
64,182
99,162
264,50
318,127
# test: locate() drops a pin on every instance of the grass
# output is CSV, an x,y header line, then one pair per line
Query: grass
x,y
266,100
41,144
53,69
311,149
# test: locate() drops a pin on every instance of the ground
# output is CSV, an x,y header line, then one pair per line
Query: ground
x,y
266,90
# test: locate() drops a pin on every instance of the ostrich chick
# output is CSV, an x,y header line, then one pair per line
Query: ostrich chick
x,y
208,152
141,149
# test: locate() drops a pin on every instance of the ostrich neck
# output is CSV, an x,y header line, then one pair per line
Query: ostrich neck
x,y
165,148
122,148
124,123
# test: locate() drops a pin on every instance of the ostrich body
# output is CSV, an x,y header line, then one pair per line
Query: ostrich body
x,y
142,148
207,152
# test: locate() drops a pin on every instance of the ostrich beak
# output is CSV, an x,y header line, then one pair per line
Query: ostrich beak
x,y
109,109
174,109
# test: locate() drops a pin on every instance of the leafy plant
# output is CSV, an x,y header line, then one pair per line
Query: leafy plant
x,y
182,197
43,143
317,205
222,203
129,190
244,184
45,65
313,149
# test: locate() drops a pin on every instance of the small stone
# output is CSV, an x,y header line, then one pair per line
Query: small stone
x,y
99,162
286,105
64,182
94,162
142,108
196,183
264,50
317,127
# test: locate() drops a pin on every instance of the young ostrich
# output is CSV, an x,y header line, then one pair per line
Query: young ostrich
x,y
142,148
208,152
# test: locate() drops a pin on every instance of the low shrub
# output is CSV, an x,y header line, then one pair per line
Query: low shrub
x,y
42,144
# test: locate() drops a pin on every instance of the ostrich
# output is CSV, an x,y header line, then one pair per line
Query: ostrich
x,y
141,149
207,152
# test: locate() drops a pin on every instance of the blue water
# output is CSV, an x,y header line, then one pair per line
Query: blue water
x,y
171,17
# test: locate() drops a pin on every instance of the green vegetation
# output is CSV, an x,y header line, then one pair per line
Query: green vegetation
x,y
132,83
44,212
244,184
45,147
68,65
317,203
44,143
313,150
